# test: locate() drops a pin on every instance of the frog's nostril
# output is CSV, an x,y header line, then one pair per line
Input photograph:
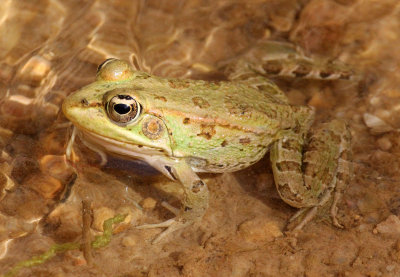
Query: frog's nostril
x,y
84,102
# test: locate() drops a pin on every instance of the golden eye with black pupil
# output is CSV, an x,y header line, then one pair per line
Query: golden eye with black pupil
x,y
123,109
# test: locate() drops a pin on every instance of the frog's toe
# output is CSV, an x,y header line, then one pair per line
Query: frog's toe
x,y
172,224
170,208
306,214
301,218
164,224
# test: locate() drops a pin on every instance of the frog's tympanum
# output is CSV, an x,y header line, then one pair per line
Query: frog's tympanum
x,y
181,127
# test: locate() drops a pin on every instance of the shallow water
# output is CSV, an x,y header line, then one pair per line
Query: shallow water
x,y
48,49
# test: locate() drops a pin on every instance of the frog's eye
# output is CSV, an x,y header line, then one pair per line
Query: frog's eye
x,y
104,63
114,70
123,109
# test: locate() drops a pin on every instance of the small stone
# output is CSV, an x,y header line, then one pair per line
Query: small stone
x,y
5,184
376,124
36,68
47,186
148,203
363,227
357,217
23,167
132,214
390,267
100,215
129,241
343,254
75,257
390,227
259,230
321,101
384,143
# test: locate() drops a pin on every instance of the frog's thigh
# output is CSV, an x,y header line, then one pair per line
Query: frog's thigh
x,y
309,180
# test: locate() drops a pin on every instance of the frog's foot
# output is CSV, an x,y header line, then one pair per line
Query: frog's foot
x,y
166,224
194,202
183,218
172,225
305,215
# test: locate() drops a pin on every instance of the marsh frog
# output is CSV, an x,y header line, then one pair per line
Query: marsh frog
x,y
181,127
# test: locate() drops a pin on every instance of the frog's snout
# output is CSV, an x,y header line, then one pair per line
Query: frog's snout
x,y
73,103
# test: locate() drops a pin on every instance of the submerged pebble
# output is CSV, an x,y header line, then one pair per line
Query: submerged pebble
x,y
259,230
389,227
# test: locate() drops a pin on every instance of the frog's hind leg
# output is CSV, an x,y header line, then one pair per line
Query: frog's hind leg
x,y
273,58
194,202
313,175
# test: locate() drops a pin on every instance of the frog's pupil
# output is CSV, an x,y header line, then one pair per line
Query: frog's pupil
x,y
122,108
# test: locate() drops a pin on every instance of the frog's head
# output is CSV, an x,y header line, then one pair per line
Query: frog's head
x,y
113,113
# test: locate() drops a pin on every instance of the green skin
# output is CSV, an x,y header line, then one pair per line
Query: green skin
x,y
189,126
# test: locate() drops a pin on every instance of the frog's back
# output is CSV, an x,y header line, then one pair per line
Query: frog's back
x,y
218,126
233,104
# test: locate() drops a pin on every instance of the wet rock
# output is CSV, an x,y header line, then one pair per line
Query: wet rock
x,y
343,254
5,136
129,241
24,203
148,203
47,186
103,213
320,27
64,222
5,184
100,215
321,101
389,227
259,230
131,215
54,142
23,167
11,227
35,69
384,143
376,124
56,166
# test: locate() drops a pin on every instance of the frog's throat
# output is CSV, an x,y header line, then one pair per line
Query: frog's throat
x,y
157,158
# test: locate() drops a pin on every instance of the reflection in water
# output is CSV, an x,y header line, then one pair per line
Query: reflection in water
x,y
50,48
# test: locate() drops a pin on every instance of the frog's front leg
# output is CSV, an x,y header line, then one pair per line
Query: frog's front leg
x,y
312,173
194,202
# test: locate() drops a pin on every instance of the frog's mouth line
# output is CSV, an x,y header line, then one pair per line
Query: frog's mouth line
x,y
98,142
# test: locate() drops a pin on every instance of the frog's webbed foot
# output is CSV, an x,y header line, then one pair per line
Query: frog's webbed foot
x,y
305,215
315,180
194,202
